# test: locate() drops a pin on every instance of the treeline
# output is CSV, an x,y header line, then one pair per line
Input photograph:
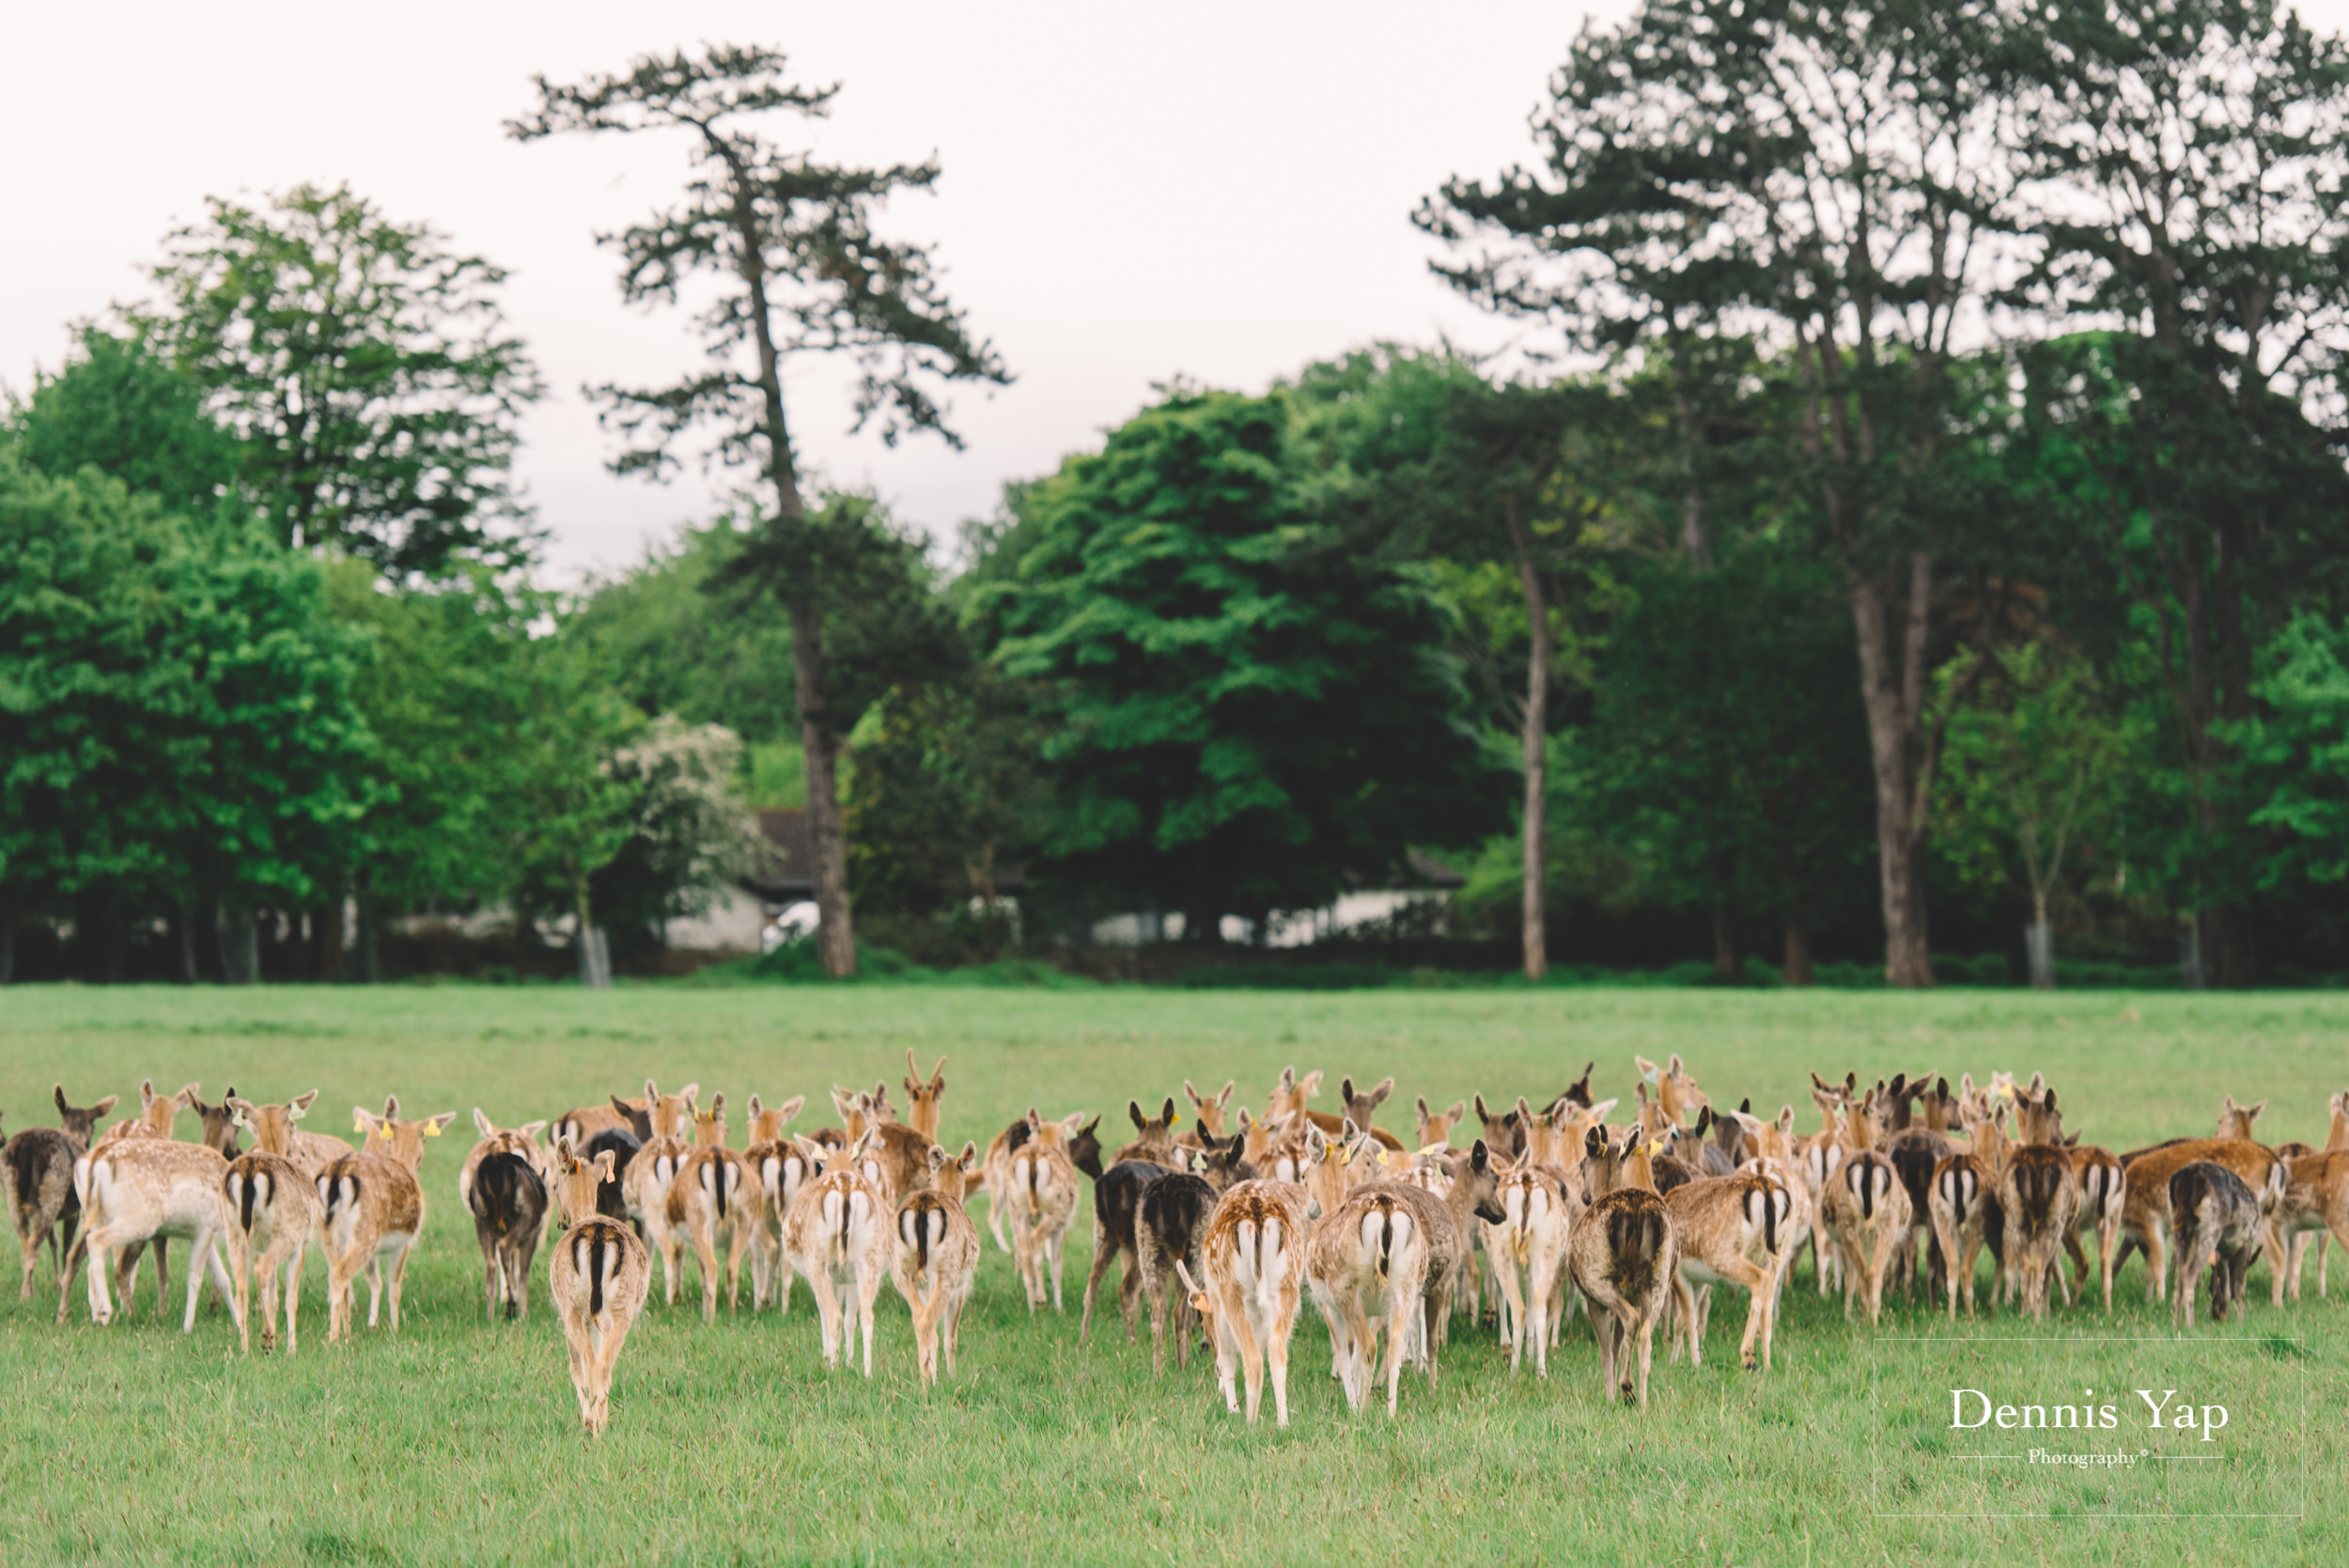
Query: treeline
x,y
1932,537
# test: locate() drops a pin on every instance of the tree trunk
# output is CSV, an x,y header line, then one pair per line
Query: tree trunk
x,y
594,951
1725,965
183,937
7,947
836,936
98,933
327,929
240,946
1891,686
1536,936
2039,938
1798,970
370,951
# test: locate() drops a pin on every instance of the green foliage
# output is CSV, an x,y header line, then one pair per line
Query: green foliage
x,y
364,368
2298,753
2031,768
118,408
653,628
691,832
177,716
1239,711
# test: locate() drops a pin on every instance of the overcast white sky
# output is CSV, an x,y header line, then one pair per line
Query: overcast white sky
x,y
1131,192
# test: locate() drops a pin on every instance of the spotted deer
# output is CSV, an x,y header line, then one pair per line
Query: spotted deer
x,y
1172,1227
502,1185
781,1170
2316,1200
1676,1092
1042,1182
599,1278
1435,1126
1528,1249
1366,1264
270,1212
374,1212
1623,1255
922,1109
1732,1230
838,1236
138,1188
646,1184
1963,1203
936,1260
713,1199
2218,1225
582,1122
1359,1106
1254,1256
2145,1219
37,1166
2234,1121
274,1133
1865,1213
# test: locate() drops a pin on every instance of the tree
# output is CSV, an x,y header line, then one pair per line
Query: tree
x,y
1443,463
789,242
2032,761
1842,177
117,407
1240,712
574,812
364,368
178,727
2298,753
692,832
2198,154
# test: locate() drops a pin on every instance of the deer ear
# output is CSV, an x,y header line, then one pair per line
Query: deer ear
x,y
1419,1105
1225,1097
481,1122
1167,1114
104,1106
1134,1108
1480,1157
790,1108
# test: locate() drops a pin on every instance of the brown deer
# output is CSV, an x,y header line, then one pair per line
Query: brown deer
x,y
1042,1184
839,1236
1367,1264
1208,1110
1623,1255
582,1122
1528,1249
646,1183
1676,1092
1732,1230
374,1211
2145,1218
1435,1126
274,1133
2316,1199
37,1166
598,1279
137,1188
269,1207
1254,1253
936,1260
2234,1121
2218,1225
921,1111
1963,1203
1172,1227
1359,1107
713,1199
1865,1213
781,1169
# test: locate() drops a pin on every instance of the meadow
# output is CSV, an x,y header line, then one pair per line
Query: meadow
x,y
457,1440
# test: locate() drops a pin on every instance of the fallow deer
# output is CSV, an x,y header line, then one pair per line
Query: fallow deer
x,y
1042,1184
1435,1126
1676,1092
1207,1110
137,1188
1865,1214
1254,1254
274,1133
2218,1224
1359,1106
598,1279
922,1113
1963,1203
1117,1200
781,1169
1528,1249
581,1123
269,1207
508,1199
1732,1230
37,1166
714,1198
1623,1256
646,1183
838,1236
2145,1219
494,1139
936,1258
1154,1141
374,1211
1366,1264
1172,1227
2316,1200
2234,1121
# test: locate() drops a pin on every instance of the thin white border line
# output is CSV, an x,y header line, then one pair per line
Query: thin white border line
x,y
2088,1516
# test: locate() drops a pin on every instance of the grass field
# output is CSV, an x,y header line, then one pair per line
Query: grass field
x,y
457,1441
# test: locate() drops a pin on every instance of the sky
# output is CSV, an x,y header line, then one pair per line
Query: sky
x,y
1132,192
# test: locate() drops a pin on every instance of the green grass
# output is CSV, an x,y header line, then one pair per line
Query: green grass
x,y
457,1441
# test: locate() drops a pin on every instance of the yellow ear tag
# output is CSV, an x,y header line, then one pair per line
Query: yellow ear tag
x,y
1176,1120
432,1129
384,1133
358,1124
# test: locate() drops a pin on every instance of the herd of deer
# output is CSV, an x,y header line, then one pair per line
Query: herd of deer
x,y
1227,1226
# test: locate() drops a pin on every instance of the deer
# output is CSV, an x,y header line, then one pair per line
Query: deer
x,y
2145,1218
598,1279
1254,1256
2218,1224
1528,1249
38,1168
1963,1203
1732,1230
267,1206
1154,1141
218,1134
581,1123
1624,1255
1449,1220
646,1184
780,1169
1117,1200
1676,1092
1367,1263
1435,1126
1172,1227
838,1236
1043,1189
936,1260
523,1141
140,1187
2316,1199
1503,1132
922,1109
508,1198
1865,1213
1357,1107
714,1198
1207,1110
274,1133
374,1211
2234,1121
